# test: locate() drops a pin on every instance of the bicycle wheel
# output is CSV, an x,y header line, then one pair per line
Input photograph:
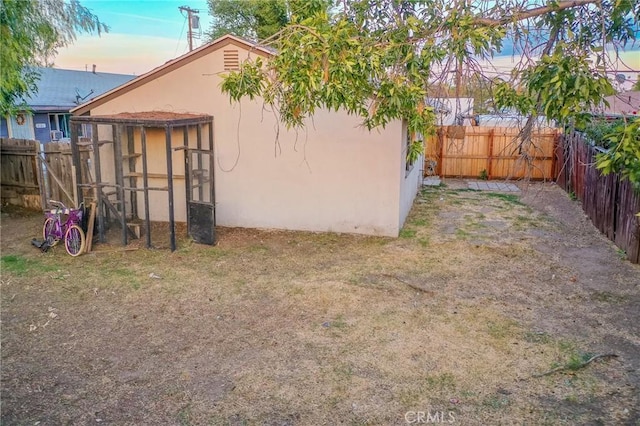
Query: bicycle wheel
x,y
48,231
74,240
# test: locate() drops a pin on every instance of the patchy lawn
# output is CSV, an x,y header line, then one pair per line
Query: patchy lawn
x,y
455,319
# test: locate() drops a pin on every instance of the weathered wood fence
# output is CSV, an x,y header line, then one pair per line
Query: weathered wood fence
x,y
27,173
490,153
610,202
19,173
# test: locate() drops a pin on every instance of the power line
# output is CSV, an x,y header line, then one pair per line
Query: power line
x,y
194,22
179,37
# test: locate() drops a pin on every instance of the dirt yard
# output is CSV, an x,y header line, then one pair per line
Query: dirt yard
x,y
486,310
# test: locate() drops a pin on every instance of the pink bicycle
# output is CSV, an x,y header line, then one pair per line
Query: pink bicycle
x,y
56,228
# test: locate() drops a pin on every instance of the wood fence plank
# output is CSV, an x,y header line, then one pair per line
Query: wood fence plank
x,y
610,202
627,235
495,151
18,172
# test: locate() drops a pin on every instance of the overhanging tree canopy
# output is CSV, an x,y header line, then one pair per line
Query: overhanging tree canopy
x,y
31,32
378,58
255,19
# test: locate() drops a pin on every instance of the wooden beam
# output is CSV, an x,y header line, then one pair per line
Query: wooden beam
x,y
90,225
145,182
119,164
98,179
169,159
58,181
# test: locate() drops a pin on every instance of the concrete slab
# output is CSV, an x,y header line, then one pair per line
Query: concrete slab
x,y
431,181
493,186
453,183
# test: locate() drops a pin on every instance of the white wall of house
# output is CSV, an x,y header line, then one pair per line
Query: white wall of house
x,y
410,178
410,184
332,176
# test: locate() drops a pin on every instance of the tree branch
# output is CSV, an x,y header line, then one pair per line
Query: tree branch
x,y
532,13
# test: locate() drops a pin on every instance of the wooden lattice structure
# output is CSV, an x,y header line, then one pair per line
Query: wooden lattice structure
x,y
134,156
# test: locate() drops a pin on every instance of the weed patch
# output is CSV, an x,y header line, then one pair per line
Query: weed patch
x,y
609,297
408,233
419,222
462,234
508,198
537,337
21,266
496,402
502,329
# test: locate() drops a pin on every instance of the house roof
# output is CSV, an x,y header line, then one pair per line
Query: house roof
x,y
171,65
60,89
625,103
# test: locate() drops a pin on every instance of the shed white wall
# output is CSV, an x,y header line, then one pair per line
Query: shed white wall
x,y
332,176
409,180
408,189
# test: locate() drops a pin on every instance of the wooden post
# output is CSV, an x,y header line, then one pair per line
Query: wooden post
x,y
490,157
200,175
119,164
188,174
90,225
554,176
440,134
132,168
98,183
172,225
145,182
40,177
45,173
74,178
76,166
212,174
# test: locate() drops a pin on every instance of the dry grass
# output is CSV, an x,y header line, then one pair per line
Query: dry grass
x,y
282,328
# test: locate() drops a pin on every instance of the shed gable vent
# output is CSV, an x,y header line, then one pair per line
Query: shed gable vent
x,y
231,60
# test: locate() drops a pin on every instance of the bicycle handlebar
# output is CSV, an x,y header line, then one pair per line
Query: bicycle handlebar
x,y
57,204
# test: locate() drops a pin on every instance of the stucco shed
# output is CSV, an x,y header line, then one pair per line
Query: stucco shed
x,y
334,176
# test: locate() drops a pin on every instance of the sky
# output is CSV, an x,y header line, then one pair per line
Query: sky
x,y
145,34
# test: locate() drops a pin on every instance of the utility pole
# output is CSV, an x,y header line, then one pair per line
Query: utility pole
x,y
190,14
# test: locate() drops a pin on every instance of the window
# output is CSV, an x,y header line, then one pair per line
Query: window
x,y
60,122
84,131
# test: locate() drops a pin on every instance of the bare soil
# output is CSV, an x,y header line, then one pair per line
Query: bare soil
x,y
454,320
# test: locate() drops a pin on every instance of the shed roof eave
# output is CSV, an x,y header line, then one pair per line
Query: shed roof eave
x,y
142,121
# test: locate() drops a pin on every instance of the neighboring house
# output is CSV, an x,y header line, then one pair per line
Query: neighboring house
x,y
452,110
334,175
510,119
58,92
624,103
